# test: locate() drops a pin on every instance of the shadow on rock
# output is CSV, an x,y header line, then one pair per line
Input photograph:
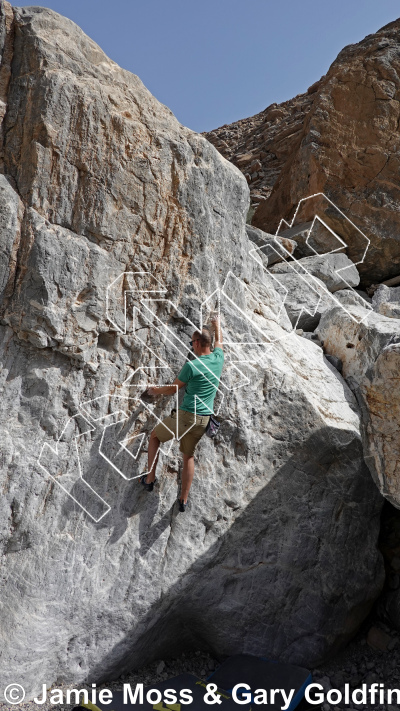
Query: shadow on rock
x,y
297,571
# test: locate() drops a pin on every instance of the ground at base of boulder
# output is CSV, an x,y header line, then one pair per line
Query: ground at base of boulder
x,y
360,663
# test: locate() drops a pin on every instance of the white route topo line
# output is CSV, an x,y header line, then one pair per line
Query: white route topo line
x,y
266,342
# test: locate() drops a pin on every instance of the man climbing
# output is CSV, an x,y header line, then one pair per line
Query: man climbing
x,y
201,377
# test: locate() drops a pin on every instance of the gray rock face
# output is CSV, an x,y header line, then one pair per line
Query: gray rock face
x,y
354,297
337,271
271,244
336,362
305,285
121,230
10,220
386,301
305,298
312,337
370,352
310,237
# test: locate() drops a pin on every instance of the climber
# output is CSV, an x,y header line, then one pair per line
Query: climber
x,y
201,377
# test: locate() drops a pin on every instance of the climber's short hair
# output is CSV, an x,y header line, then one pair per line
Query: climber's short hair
x,y
204,336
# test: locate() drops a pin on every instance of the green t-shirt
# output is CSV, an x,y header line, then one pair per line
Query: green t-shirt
x,y
202,377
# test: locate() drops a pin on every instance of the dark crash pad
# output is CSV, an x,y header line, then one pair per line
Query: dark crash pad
x,y
260,673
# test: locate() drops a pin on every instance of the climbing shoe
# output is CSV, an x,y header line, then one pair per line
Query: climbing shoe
x,y
148,487
182,506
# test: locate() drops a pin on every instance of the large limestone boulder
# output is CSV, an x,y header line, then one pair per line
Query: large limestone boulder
x,y
121,230
305,298
369,349
336,271
306,285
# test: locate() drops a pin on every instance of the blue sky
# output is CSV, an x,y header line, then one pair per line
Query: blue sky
x,y
216,61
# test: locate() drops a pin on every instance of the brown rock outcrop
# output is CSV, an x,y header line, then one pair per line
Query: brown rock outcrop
x,y
260,145
346,145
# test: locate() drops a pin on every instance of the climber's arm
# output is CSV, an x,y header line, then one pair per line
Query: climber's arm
x,y
166,389
216,326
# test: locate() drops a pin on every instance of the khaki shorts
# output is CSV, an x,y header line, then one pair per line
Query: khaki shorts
x,y
185,421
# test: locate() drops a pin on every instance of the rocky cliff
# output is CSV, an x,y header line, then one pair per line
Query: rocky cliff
x,y
341,139
120,231
260,145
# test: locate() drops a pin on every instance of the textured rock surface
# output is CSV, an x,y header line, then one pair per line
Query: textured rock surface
x,y
354,297
370,352
304,297
343,142
99,179
261,145
311,238
336,271
273,254
386,301
10,222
